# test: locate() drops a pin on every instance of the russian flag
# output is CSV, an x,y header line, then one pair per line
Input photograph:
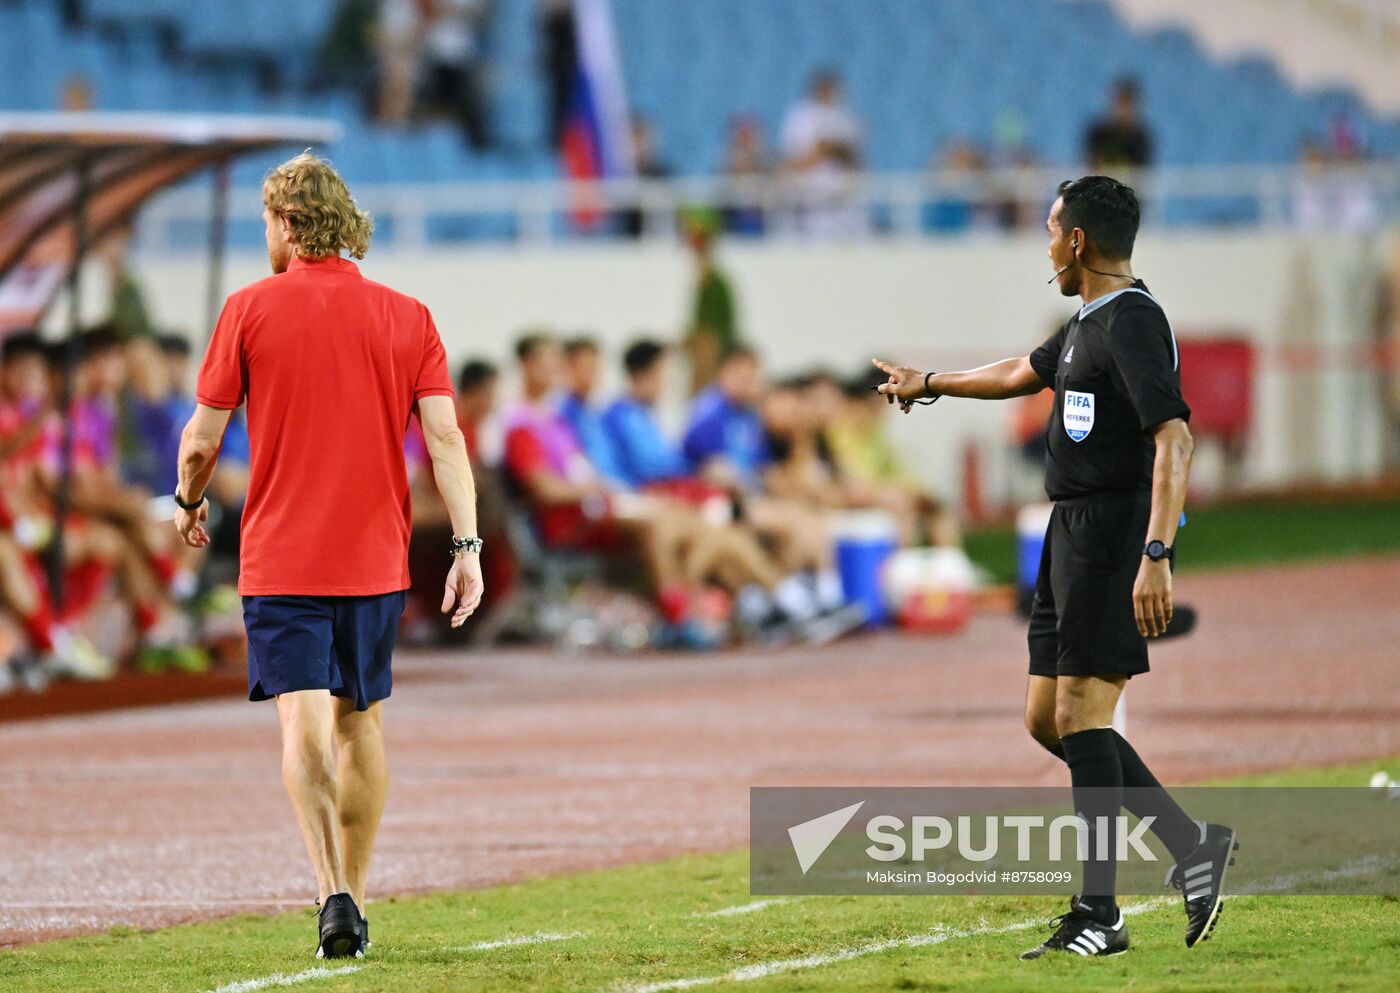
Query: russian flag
x,y
597,142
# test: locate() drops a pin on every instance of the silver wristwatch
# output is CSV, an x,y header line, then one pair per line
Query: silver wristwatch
x,y
462,545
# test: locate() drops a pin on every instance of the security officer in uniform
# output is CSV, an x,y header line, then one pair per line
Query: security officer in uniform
x,y
1118,456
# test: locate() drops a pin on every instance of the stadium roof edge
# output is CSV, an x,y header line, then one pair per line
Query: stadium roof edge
x,y
86,127
70,179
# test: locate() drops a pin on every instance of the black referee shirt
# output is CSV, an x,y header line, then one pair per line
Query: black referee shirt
x,y
1114,369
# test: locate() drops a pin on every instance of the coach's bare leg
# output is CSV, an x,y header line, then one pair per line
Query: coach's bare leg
x,y
308,772
363,778
1040,711
660,533
1086,702
733,556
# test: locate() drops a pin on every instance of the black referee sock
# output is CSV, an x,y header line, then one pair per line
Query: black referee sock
x,y
1097,778
1146,797
1143,796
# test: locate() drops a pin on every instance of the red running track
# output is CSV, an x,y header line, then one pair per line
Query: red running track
x,y
515,764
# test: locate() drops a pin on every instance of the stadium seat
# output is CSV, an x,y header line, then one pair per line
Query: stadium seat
x,y
915,74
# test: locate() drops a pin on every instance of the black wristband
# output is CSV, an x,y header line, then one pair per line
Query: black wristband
x,y
188,506
927,391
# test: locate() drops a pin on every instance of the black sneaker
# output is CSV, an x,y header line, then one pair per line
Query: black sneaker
x,y
1201,878
341,937
364,934
1079,932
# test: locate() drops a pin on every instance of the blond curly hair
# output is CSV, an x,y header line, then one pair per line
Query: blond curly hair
x,y
324,217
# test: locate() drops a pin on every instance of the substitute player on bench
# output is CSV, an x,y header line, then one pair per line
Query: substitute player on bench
x,y
1118,456
332,367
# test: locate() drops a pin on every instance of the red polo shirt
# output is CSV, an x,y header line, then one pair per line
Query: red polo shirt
x,y
331,366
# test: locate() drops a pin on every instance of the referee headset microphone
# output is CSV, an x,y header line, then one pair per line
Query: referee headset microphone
x,y
1075,247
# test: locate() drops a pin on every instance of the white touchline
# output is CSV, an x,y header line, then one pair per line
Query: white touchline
x,y
279,979
744,908
519,939
762,970
939,935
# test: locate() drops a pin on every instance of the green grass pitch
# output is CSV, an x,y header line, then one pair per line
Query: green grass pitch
x,y
654,928
1246,534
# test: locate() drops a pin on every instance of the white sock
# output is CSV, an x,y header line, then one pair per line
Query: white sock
x,y
829,592
796,598
753,605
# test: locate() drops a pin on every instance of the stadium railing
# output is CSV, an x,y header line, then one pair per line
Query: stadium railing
x,y
926,205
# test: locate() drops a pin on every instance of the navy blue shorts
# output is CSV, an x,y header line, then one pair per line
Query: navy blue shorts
x,y
337,643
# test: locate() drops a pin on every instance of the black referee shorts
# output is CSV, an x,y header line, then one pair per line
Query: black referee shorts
x,y
1082,620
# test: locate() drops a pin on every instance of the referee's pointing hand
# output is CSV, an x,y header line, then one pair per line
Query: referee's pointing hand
x,y
906,385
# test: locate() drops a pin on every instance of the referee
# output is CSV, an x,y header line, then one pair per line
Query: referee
x,y
1118,456
332,367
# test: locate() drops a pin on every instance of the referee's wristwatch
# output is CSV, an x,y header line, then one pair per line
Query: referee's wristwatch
x,y
1156,551
179,502
460,546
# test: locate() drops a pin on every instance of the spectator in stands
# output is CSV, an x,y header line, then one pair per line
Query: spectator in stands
x,y
560,61
1328,193
1121,140
454,65
648,164
821,142
397,37
820,129
714,331
973,202
76,94
874,474
746,166
345,57
577,409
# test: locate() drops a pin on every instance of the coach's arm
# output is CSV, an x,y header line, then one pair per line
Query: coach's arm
x,y
998,381
1152,592
199,451
453,473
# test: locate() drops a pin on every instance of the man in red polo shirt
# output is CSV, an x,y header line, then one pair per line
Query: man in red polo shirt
x,y
331,366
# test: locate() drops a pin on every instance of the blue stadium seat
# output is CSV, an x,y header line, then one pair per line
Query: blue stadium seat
x,y
918,73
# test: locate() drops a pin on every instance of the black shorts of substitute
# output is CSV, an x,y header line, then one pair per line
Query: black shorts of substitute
x,y
339,643
1082,620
